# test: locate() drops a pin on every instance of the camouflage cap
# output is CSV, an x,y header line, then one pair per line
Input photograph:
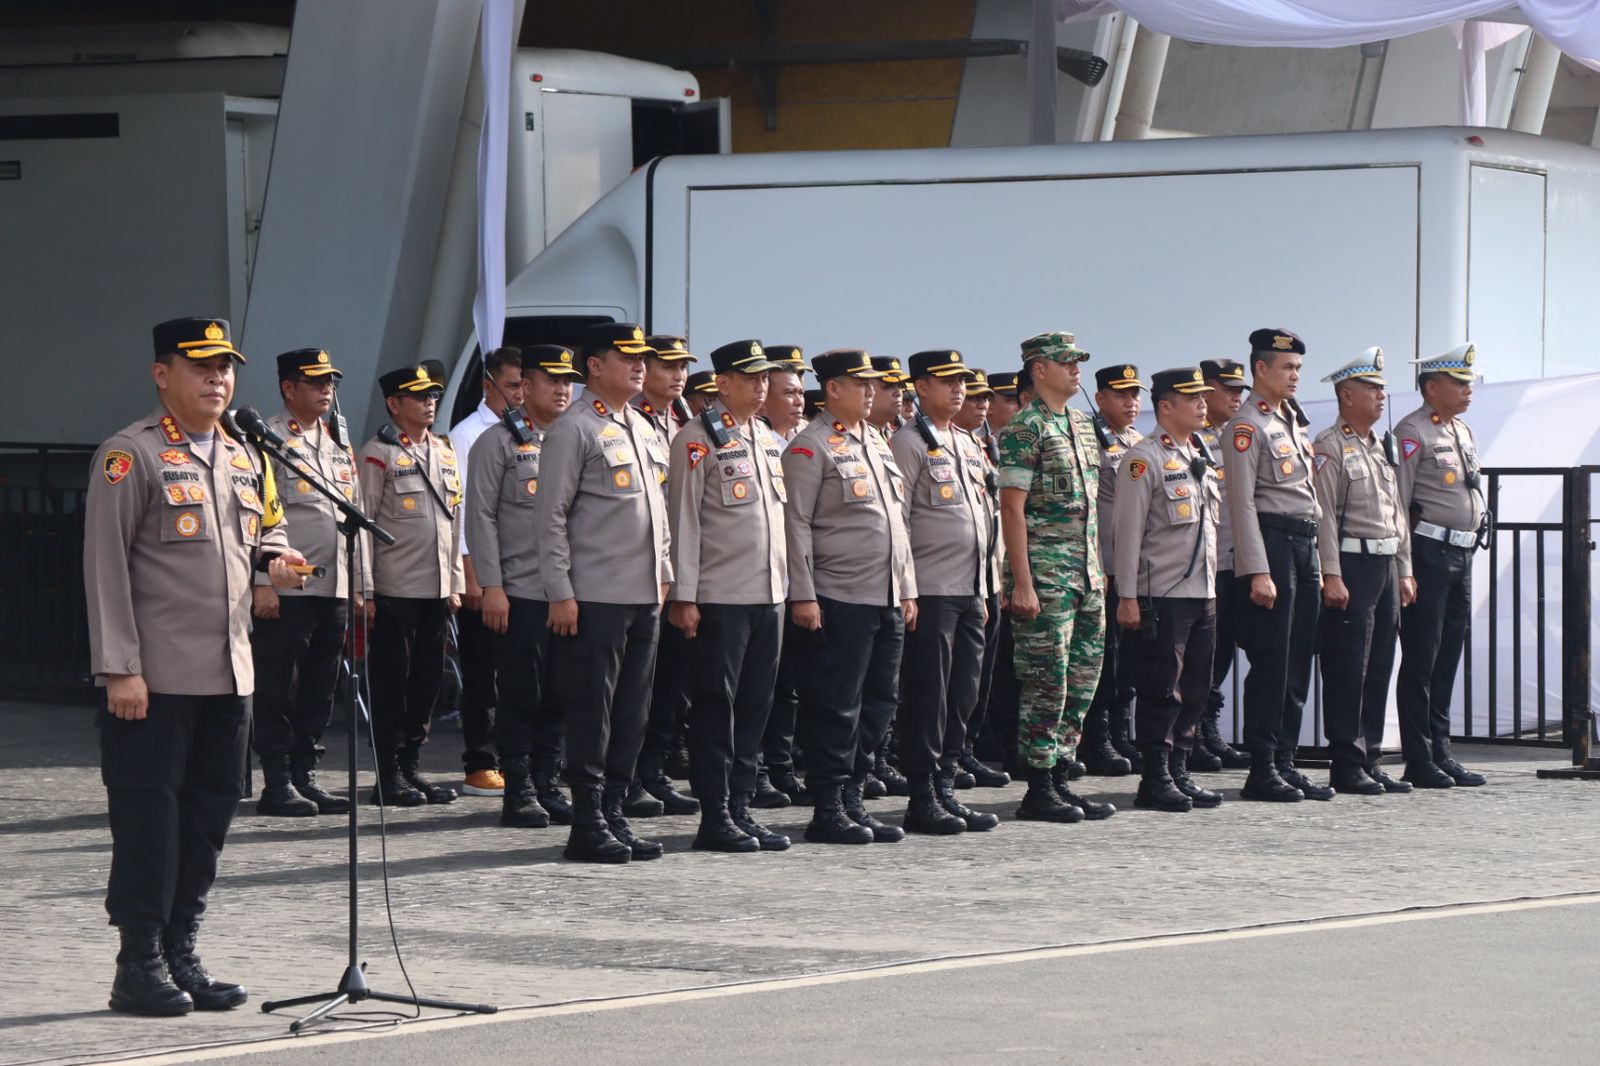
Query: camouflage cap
x,y
1058,346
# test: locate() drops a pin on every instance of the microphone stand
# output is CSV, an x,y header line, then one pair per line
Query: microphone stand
x,y
353,985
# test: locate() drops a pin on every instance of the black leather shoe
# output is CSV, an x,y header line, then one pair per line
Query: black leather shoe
x,y
303,772
1427,775
1389,784
142,984
944,790
717,831
391,788
855,810
982,774
189,974
1355,782
672,801
893,780
1308,788
1178,763
1041,803
1092,810
519,803
611,807
547,787
590,839
638,803
1265,784
431,792
828,822
1463,777
925,814
278,797
766,797
739,808
873,789
785,781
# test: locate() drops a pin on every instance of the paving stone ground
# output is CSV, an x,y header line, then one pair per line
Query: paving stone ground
x,y
487,914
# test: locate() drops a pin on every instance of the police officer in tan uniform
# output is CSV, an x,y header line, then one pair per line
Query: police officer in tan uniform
x,y
700,392
600,521
1165,567
1274,512
1366,577
852,590
298,636
179,517
953,529
498,514
666,375
1442,494
726,496
411,486
1226,378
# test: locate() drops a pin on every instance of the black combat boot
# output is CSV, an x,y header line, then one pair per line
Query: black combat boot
x,y
1295,779
981,773
1156,789
142,984
944,790
611,807
519,804
828,822
925,814
1092,810
1120,728
1211,737
718,832
547,787
303,772
1265,784
893,780
1178,765
872,788
1075,768
765,796
655,781
189,974
637,803
392,789
1201,761
739,809
409,757
855,809
278,796
590,839
1095,748
677,763
1354,781
1042,804
784,780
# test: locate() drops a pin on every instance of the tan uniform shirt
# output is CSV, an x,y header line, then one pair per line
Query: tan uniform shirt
x,y
845,518
1166,541
1359,495
947,511
664,422
424,562
498,512
1268,460
600,515
1212,435
312,515
1435,458
1110,463
728,539
169,551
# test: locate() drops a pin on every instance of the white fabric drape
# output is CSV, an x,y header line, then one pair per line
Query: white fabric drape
x,y
496,43
1571,25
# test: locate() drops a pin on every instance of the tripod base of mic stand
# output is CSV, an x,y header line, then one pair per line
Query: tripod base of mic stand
x,y
353,989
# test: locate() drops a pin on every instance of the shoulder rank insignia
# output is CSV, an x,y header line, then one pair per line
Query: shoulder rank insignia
x,y
601,409
728,420
169,427
118,464
1166,438
294,428
1433,416
1344,427
1264,407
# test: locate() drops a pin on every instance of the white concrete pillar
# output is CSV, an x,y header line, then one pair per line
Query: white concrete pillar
x,y
1042,74
1533,92
1146,64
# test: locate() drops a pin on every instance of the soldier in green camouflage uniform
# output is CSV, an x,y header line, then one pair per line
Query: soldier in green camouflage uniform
x,y
1049,479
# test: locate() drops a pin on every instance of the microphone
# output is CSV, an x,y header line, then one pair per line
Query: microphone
x,y
250,420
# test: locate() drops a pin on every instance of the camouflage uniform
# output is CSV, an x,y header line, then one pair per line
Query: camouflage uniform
x,y
1056,460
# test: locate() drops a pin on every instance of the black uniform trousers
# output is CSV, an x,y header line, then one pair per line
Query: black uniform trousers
x,y
602,681
297,657
778,743
1173,670
1279,642
527,718
1356,646
1005,691
405,668
991,645
1227,642
173,780
939,681
1115,690
849,682
667,689
1433,631
479,693
733,666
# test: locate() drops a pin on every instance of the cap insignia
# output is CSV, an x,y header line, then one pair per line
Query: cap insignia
x,y
214,332
1282,343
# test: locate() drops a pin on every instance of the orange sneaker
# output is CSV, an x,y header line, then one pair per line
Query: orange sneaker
x,y
484,783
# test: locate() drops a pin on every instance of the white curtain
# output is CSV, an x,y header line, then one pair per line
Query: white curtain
x,y
1571,25
496,43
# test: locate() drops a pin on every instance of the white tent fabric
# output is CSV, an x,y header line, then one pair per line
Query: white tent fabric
x,y
497,41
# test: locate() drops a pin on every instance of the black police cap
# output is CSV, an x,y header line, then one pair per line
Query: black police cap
x,y
625,337
194,338
409,381
553,359
815,398
1227,371
741,357
890,369
670,349
1276,340
1184,380
310,363
939,363
703,382
788,357
1118,376
842,362
1005,383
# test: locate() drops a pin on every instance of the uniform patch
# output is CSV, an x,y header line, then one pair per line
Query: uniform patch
x,y
1320,461
240,462
533,485
176,494
859,489
1449,477
303,488
118,465
623,456
187,524
251,525
622,479
343,473
1172,464
173,457
379,463
1408,447
1287,466
1181,491
611,431
697,452
1136,468
1283,449
807,452
402,460
409,503
196,494
1184,510
1242,438
740,490
249,497
946,492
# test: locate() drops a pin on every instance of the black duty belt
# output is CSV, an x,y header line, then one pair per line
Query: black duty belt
x,y
1303,527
